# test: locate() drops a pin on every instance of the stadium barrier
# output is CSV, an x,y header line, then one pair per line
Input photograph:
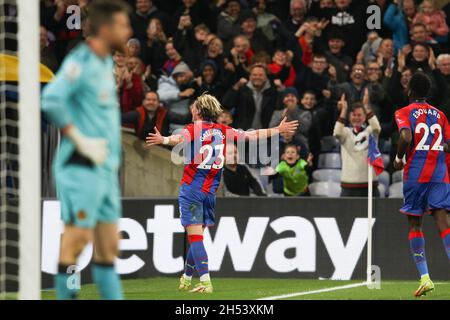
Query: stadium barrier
x,y
139,178
260,237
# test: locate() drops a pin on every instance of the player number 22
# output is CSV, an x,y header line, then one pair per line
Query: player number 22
x,y
209,149
437,144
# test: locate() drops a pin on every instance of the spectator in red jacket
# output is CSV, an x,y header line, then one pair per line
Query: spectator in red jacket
x,y
148,116
129,84
308,34
281,67
241,55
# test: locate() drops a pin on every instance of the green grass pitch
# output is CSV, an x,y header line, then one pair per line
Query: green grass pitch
x,y
244,289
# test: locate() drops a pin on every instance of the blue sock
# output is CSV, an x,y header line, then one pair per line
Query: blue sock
x,y
190,263
200,256
66,284
417,245
107,281
445,235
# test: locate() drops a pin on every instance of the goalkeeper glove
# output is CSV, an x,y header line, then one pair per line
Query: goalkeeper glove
x,y
95,149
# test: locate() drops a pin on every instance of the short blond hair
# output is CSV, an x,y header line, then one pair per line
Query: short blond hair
x,y
208,106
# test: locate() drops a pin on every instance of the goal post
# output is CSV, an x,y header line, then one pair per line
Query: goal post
x,y
30,150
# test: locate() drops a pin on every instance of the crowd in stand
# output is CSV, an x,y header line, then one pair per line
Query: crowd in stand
x,y
315,61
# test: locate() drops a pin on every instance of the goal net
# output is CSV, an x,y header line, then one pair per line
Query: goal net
x,y
19,150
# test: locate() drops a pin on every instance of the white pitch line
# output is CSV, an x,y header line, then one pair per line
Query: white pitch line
x,y
304,293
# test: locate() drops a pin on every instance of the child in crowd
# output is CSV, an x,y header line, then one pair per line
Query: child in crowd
x,y
293,170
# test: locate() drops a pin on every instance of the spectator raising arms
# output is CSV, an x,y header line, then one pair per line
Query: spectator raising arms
x,y
315,76
307,34
208,80
189,41
398,19
434,19
241,55
281,67
336,56
291,110
253,101
266,59
264,19
293,170
140,19
354,145
176,92
153,48
420,34
228,20
349,17
258,41
129,84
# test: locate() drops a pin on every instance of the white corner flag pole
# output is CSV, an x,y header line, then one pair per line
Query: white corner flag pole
x,y
369,225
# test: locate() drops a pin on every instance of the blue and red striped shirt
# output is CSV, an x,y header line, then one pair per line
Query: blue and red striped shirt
x,y
430,130
205,152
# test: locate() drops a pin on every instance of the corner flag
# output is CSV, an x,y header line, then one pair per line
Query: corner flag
x,y
374,156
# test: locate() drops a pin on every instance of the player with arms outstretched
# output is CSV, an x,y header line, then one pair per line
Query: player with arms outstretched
x,y
206,146
424,137
82,101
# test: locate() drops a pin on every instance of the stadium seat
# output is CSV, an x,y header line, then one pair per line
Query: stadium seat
x,y
397,176
329,161
179,109
262,179
330,144
396,190
333,175
325,189
386,159
382,190
275,195
383,178
385,146
173,127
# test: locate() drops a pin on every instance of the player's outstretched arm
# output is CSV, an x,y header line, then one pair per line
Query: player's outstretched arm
x,y
284,127
403,144
156,138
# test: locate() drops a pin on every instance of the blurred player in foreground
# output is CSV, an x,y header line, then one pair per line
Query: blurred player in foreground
x,y
82,102
424,137
206,143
